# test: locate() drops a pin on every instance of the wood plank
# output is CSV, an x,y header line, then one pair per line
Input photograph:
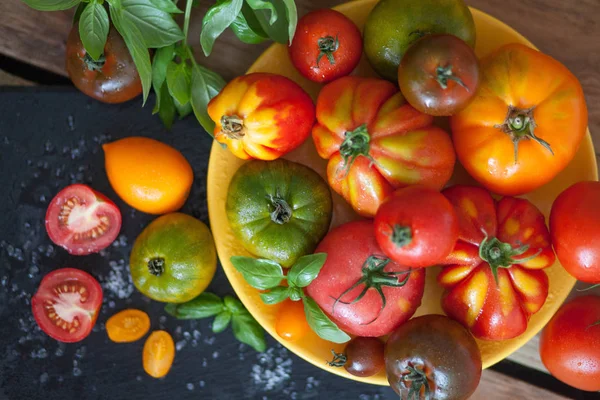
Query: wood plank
x,y
7,79
495,385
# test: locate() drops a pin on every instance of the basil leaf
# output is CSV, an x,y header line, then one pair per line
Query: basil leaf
x,y
178,82
184,110
264,5
234,305
166,109
205,85
78,12
321,324
296,294
259,273
292,16
247,28
51,5
283,29
306,269
93,29
217,19
157,26
162,58
221,321
203,306
166,6
135,43
275,295
247,330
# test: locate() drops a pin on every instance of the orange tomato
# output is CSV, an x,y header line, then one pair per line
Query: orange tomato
x,y
148,175
158,355
127,326
262,116
291,322
525,123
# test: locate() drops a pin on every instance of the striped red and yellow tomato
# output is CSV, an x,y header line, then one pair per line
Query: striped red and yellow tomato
x,y
494,280
376,142
262,116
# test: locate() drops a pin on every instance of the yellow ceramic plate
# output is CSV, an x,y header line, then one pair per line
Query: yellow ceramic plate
x,y
491,34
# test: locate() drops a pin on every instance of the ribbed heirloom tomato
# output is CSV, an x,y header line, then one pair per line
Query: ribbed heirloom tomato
x,y
262,116
494,281
376,142
525,123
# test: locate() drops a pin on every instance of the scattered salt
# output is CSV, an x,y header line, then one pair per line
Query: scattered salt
x,y
269,374
118,282
215,355
44,378
190,386
180,345
201,384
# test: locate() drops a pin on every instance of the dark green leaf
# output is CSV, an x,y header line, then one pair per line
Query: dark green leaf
x,y
179,81
217,19
78,12
306,269
234,305
135,43
93,29
203,306
259,273
157,26
321,324
247,330
51,5
166,109
221,321
166,6
296,293
205,85
184,110
292,16
264,5
247,28
162,58
275,295
282,31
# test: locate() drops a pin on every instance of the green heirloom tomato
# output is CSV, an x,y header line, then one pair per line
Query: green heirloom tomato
x,y
174,258
279,210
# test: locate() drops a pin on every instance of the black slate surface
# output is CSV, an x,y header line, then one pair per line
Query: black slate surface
x,y
50,139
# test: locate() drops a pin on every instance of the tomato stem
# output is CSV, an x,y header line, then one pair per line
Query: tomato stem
x,y
443,74
327,46
156,266
502,255
401,235
282,212
355,144
589,288
519,125
339,359
94,65
417,379
233,126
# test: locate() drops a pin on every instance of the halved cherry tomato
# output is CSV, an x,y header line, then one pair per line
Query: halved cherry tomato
x,y
66,304
290,322
82,220
127,326
159,353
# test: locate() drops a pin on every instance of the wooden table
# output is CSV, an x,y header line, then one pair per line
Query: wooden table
x,y
568,31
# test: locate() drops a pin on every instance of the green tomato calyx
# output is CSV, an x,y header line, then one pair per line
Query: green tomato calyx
x,y
502,255
374,276
156,266
327,46
445,74
416,379
520,125
401,235
281,211
356,143
94,65
339,359
232,126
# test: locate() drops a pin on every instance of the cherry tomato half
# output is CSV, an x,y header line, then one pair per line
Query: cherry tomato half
x,y
158,354
111,79
127,326
82,220
66,304
290,322
327,46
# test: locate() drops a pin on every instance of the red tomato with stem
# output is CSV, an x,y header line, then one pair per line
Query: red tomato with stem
x,y
494,281
113,78
327,45
575,230
359,287
82,221
570,343
416,226
66,304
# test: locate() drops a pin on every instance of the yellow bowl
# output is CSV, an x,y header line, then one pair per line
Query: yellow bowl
x,y
491,34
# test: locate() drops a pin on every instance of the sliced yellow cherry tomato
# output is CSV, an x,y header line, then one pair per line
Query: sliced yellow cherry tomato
x,y
127,326
158,355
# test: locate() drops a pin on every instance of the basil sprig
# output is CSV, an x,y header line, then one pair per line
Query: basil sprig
x,y
93,28
226,311
267,275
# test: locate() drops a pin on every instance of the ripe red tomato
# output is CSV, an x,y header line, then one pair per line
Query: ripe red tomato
x,y
66,304
439,75
112,79
327,46
416,226
359,287
575,230
82,220
570,343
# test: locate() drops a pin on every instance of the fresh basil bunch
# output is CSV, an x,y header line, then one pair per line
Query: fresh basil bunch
x,y
265,274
